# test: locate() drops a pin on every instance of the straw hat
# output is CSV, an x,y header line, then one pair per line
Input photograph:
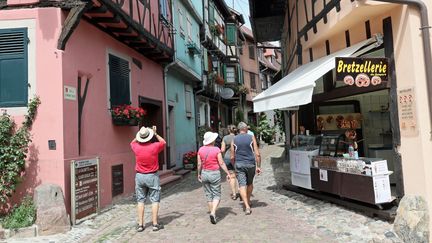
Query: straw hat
x,y
144,134
209,137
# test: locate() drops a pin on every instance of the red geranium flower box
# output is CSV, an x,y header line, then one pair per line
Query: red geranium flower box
x,y
126,115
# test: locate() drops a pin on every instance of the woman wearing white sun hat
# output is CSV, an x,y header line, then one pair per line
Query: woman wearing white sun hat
x,y
210,161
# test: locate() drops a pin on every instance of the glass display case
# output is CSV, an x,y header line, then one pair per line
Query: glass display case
x,y
333,145
303,148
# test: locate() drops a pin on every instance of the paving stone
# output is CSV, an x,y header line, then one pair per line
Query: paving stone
x,y
278,216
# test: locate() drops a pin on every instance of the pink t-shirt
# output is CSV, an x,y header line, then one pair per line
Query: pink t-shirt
x,y
208,155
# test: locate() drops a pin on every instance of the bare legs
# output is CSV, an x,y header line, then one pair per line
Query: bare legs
x,y
155,211
245,193
214,206
140,210
233,183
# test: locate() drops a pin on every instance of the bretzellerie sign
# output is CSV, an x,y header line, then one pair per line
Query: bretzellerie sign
x,y
362,72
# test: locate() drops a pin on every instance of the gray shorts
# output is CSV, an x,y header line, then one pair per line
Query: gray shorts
x,y
211,182
147,185
245,175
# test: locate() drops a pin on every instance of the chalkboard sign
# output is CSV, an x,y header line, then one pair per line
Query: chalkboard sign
x,y
84,188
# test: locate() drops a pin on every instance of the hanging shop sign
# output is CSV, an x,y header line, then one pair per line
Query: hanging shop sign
x,y
84,188
362,72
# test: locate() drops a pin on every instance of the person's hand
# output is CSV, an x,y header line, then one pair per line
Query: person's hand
x,y
154,129
258,171
199,178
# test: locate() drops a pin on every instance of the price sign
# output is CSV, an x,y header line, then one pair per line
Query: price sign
x,y
84,188
407,112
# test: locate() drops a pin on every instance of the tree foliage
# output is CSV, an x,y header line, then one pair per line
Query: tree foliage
x,y
14,143
265,131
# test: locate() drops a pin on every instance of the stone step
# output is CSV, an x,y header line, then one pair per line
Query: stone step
x,y
169,179
182,172
165,173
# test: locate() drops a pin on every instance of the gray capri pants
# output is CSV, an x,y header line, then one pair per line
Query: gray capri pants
x,y
147,185
211,182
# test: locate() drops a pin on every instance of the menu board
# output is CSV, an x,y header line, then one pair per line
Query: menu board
x,y
84,188
407,112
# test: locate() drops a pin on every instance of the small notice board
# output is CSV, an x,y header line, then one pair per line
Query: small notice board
x,y
85,198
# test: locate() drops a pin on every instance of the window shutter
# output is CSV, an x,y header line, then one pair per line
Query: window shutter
x,y
13,67
224,72
188,101
231,34
119,81
211,14
240,74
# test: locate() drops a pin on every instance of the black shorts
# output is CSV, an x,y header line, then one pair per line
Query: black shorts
x,y
245,175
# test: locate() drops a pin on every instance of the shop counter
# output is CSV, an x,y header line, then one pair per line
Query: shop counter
x,y
364,188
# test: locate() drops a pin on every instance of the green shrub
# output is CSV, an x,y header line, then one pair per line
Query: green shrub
x,y
22,216
265,131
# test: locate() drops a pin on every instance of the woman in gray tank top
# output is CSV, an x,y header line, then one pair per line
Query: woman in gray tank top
x,y
225,149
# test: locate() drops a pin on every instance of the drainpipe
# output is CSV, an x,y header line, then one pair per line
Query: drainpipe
x,y
167,119
426,46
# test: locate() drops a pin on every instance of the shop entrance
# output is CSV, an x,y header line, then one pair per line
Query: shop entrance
x,y
154,117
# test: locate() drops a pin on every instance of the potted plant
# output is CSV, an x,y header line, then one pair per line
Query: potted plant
x,y
126,115
190,160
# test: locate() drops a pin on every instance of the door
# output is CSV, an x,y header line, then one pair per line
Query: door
x,y
154,117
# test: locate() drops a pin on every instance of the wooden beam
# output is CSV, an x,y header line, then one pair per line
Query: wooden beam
x,y
70,24
127,30
98,10
109,20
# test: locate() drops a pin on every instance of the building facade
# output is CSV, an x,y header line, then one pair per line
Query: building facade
x,y
83,59
397,31
218,97
183,76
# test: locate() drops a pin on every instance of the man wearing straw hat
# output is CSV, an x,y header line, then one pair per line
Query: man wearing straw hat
x,y
147,182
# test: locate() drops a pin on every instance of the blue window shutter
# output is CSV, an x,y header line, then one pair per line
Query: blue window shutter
x,y
13,67
119,81
231,34
211,15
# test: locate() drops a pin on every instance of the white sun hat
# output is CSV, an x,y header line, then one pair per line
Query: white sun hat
x,y
209,137
144,134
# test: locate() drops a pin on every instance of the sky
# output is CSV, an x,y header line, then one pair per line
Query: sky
x,y
241,6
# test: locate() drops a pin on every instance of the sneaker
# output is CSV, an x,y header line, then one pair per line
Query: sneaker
x,y
213,219
157,227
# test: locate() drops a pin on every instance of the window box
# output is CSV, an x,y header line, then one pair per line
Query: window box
x,y
193,48
120,121
126,115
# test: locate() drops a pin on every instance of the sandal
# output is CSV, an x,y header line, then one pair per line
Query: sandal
x,y
234,196
157,227
248,211
140,228
213,219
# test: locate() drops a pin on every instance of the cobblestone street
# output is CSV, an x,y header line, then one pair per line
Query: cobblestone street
x,y
277,216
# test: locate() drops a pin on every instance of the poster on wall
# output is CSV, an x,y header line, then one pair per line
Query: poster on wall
x,y
407,112
85,199
362,72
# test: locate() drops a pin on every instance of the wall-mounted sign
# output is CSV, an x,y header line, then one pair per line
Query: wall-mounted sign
x,y
407,112
362,72
84,188
226,93
70,93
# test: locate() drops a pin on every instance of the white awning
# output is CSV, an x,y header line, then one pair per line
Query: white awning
x,y
297,87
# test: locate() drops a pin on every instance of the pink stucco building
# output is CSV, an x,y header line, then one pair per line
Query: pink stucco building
x,y
119,48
